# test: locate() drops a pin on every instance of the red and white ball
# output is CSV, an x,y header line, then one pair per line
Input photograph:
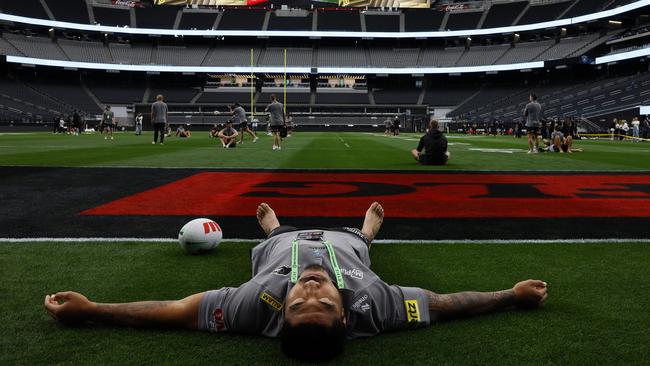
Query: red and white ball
x,y
200,236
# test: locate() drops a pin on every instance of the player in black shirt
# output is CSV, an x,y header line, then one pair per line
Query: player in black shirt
x,y
395,127
434,145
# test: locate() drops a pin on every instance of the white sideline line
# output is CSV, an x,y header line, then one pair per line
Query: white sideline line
x,y
326,170
379,241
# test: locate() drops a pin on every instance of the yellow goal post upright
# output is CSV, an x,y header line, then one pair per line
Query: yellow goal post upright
x,y
252,87
284,97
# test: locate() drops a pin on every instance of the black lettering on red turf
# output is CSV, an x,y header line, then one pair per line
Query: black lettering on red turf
x,y
514,190
320,189
624,190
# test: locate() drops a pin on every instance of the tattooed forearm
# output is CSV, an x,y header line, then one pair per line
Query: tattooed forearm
x,y
446,306
137,314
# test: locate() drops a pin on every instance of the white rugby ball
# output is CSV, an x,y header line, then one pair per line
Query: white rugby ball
x,y
200,236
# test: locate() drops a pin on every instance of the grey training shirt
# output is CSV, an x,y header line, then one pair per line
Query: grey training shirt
x,y
372,306
160,110
532,112
107,117
240,114
276,113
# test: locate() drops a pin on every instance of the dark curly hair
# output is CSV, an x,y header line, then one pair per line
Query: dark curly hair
x,y
313,343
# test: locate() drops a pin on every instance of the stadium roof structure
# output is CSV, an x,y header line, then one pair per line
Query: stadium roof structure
x,y
521,65
326,34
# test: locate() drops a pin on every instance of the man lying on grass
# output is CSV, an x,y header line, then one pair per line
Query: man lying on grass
x,y
312,288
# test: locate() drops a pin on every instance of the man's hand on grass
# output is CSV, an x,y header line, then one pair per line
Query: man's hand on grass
x,y
530,294
69,307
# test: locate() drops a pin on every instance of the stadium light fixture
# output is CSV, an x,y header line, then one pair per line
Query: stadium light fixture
x,y
607,59
270,69
330,34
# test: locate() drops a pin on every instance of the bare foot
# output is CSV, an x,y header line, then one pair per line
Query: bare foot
x,y
373,220
266,218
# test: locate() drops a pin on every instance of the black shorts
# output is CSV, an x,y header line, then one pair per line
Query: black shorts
x,y
532,130
108,125
243,125
276,128
425,160
564,147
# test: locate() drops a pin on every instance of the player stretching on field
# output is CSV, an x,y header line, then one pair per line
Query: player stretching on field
x,y
276,120
108,121
532,113
311,288
239,114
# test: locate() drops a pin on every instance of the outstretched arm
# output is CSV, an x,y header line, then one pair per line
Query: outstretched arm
x,y
526,294
74,308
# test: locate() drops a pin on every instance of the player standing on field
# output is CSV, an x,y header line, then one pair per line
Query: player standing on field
x,y
532,113
108,121
276,115
138,124
159,119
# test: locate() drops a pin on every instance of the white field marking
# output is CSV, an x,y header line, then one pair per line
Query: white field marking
x,y
343,141
458,143
379,241
463,137
397,171
502,151
52,146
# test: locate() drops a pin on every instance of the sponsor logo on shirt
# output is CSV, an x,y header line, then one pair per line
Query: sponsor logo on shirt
x,y
412,311
275,304
318,252
354,273
217,324
361,304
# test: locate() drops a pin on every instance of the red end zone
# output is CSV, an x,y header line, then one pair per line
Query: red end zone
x,y
402,195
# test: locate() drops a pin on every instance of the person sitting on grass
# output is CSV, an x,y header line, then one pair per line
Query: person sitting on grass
x,y
228,136
214,131
434,145
183,132
311,288
559,143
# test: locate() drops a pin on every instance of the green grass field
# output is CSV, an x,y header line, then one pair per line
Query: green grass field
x,y
596,314
325,150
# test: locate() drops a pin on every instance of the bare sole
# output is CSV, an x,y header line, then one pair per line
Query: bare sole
x,y
373,220
266,218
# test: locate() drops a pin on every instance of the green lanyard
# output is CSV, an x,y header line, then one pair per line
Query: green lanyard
x,y
335,264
